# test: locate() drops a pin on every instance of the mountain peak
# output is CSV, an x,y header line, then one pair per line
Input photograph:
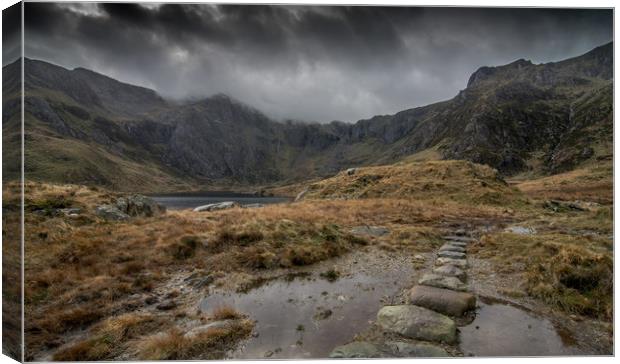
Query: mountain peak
x,y
598,62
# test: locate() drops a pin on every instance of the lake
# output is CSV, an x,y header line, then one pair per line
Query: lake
x,y
190,200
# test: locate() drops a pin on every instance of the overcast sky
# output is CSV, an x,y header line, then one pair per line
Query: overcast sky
x,y
310,63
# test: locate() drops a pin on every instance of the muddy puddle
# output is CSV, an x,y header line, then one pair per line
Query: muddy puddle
x,y
505,330
307,317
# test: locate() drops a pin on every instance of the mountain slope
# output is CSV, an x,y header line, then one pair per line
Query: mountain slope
x,y
84,127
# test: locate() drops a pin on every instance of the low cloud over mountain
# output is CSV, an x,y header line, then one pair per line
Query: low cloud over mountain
x,y
312,63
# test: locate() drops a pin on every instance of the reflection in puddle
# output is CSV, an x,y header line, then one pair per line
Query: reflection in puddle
x,y
504,330
308,317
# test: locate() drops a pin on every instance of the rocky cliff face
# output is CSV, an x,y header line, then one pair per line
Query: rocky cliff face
x,y
514,117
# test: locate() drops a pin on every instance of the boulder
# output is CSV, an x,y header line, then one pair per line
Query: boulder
x,y
417,323
110,212
370,230
460,263
357,349
439,281
217,206
351,171
452,248
450,254
450,270
442,300
418,350
139,205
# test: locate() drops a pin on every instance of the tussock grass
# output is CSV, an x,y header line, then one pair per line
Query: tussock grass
x,y
109,338
211,344
225,313
569,272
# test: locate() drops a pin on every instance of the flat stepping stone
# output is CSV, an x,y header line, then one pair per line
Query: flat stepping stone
x,y
452,248
460,263
457,243
418,350
417,323
442,300
449,254
450,270
465,239
357,349
439,281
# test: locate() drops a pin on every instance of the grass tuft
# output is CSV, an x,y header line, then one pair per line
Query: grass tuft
x,y
211,344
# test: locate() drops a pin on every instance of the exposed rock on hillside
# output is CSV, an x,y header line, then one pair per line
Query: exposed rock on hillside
x,y
96,130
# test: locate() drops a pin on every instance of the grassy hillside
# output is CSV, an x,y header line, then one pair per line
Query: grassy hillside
x,y
593,182
83,127
458,181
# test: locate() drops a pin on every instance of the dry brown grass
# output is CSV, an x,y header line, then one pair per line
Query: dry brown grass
x,y
11,274
83,271
586,184
80,271
211,344
225,313
458,181
569,272
110,338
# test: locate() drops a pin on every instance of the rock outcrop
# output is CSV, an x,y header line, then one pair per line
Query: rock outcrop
x,y
139,205
130,206
110,212
506,116
217,206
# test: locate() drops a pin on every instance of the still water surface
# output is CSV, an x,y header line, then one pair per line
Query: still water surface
x,y
505,330
178,201
308,317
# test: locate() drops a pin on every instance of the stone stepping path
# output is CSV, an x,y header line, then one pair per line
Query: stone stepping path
x,y
442,281
452,248
465,239
457,243
442,300
439,298
460,263
417,322
450,254
450,270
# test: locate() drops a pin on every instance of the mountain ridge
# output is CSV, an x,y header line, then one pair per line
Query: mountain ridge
x,y
219,139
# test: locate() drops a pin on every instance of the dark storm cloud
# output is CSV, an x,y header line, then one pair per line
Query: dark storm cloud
x,y
11,33
314,63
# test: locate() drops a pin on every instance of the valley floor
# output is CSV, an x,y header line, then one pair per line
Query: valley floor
x,y
297,279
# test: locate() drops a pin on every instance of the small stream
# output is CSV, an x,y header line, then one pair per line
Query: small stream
x,y
309,316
